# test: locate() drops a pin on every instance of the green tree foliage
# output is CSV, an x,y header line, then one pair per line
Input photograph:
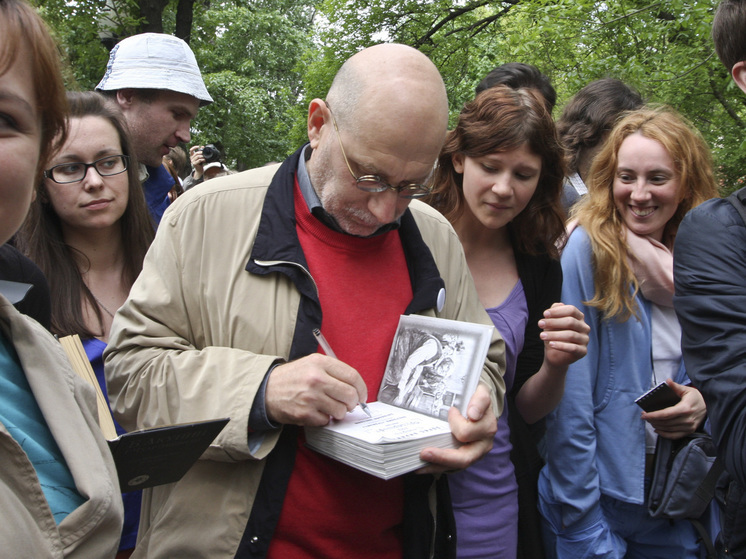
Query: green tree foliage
x,y
663,49
263,60
249,52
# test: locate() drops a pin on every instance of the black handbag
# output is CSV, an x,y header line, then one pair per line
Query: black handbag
x,y
684,479
686,471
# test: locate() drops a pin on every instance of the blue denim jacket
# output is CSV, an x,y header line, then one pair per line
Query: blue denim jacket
x,y
595,439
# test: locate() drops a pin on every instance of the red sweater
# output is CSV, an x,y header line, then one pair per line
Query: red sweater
x,y
332,510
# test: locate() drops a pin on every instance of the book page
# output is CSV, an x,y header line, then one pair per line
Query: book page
x,y
434,364
80,364
388,424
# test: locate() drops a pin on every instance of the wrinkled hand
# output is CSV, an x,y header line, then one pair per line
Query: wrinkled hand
x,y
312,389
476,432
682,419
197,159
565,335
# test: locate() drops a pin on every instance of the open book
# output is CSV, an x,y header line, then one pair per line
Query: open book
x,y
434,364
148,457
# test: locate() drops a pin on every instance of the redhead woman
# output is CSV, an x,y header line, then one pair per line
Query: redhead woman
x,y
618,269
58,486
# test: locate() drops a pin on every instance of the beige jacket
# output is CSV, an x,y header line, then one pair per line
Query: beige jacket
x,y
27,527
197,336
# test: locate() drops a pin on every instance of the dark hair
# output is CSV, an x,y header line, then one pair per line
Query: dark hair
x,y
591,113
179,160
497,120
518,75
21,25
728,32
145,95
42,240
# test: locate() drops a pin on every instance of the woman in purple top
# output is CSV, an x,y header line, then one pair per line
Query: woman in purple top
x,y
499,181
88,230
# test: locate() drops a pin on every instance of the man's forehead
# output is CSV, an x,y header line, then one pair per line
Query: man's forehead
x,y
185,102
180,102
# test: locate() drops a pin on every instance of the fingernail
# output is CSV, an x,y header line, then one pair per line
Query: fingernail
x,y
542,323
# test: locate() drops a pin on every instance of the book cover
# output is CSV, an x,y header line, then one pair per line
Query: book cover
x,y
434,364
148,457
161,455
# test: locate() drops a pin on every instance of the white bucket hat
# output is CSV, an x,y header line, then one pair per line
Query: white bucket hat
x,y
214,165
154,61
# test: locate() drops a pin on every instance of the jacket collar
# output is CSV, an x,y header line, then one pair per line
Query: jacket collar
x,y
277,248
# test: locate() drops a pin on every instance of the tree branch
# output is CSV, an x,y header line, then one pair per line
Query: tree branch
x,y
453,15
724,102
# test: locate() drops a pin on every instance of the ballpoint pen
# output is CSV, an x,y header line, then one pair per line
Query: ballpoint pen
x,y
330,352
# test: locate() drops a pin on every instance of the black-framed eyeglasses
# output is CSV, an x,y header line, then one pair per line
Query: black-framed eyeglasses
x,y
374,183
74,171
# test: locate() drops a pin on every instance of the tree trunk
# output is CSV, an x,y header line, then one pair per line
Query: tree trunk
x,y
184,17
152,13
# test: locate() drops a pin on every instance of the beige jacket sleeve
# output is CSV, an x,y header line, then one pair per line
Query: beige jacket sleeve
x,y
191,342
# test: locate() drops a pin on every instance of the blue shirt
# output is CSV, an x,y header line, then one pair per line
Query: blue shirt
x,y
156,188
595,438
21,416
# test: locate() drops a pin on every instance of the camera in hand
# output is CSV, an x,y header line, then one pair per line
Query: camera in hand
x,y
210,153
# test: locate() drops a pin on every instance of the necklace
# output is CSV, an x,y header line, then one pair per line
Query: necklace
x,y
100,304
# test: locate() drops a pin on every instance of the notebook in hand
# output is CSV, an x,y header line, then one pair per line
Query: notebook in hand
x,y
148,457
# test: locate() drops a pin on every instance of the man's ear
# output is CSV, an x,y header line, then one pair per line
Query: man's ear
x,y
739,74
317,117
126,98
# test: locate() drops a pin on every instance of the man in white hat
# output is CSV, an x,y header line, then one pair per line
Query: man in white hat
x,y
156,82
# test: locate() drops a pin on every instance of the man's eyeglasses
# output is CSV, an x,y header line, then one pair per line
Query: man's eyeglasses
x,y
108,166
374,183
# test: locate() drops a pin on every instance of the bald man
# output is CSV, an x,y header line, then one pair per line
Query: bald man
x,y
220,323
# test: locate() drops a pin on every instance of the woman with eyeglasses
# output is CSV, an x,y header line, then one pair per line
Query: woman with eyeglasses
x,y
88,230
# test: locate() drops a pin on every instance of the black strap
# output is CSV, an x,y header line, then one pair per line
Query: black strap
x,y
706,489
738,199
705,538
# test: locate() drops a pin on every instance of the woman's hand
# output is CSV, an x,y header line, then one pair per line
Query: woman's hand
x,y
565,335
682,419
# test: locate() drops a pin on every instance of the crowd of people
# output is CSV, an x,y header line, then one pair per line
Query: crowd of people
x,y
196,303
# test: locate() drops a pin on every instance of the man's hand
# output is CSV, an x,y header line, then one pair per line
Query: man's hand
x,y
312,389
198,160
682,419
476,432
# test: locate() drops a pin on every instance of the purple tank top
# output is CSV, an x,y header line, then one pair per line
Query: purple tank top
x,y
485,496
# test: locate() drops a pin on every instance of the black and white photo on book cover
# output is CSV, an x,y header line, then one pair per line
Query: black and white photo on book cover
x,y
434,364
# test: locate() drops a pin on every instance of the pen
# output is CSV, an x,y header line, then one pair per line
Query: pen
x,y
330,352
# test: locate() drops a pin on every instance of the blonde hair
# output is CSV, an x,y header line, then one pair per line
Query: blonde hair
x,y
615,284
